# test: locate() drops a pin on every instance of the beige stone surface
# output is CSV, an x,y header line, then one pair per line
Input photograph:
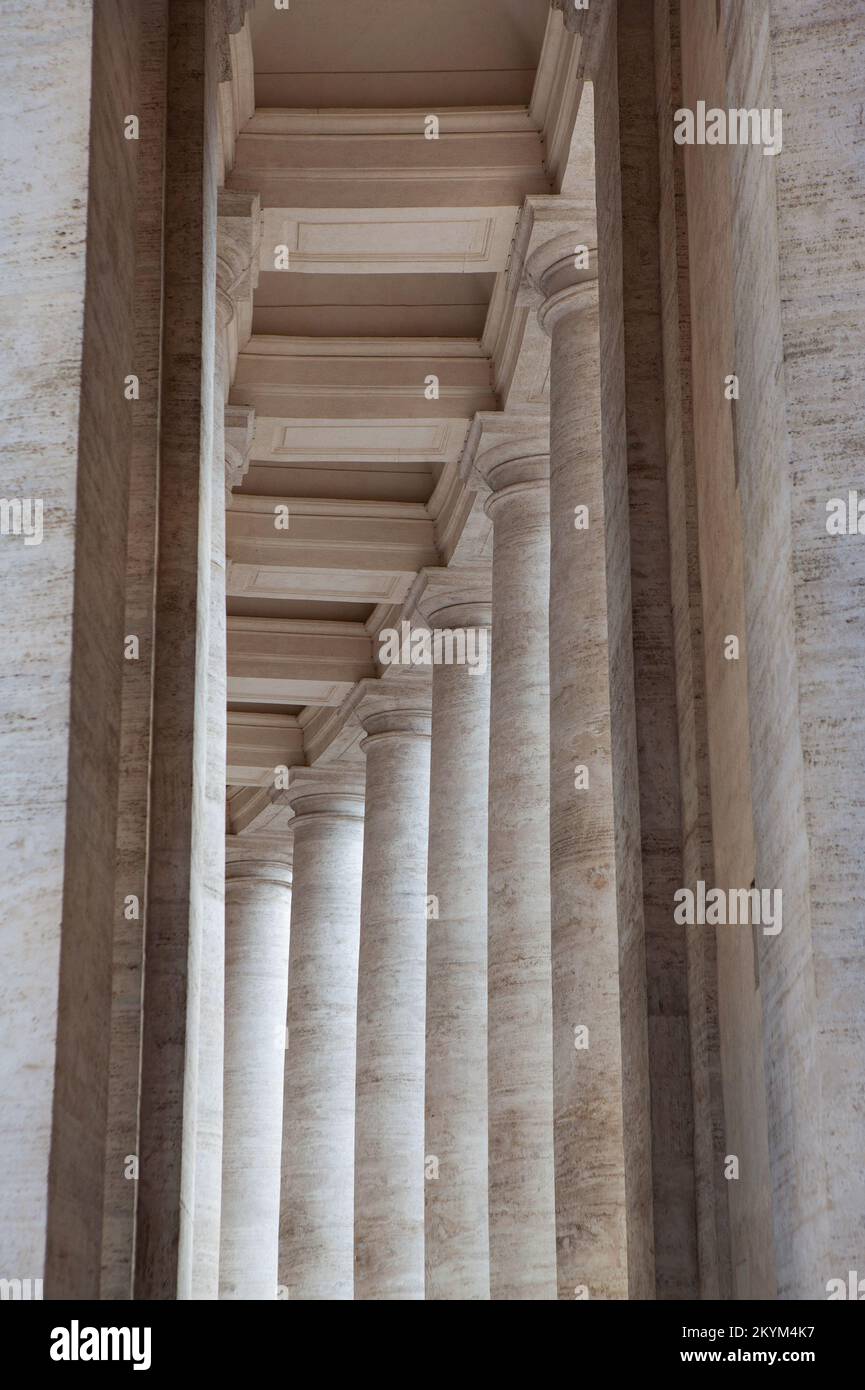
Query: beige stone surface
x,y
181,1031
456,1190
134,783
521,1184
815,60
389,1122
431,389
675,1242
66,442
601,63
316,1227
711,1195
258,916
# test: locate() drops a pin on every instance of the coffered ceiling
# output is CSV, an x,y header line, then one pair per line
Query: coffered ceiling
x,y
386,319
397,53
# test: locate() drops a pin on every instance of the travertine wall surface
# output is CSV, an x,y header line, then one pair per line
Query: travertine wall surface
x,y
68,432
816,76
713,347
766,243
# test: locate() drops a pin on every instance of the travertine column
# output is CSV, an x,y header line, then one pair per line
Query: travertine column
x,y
258,914
389,1137
317,1213
819,179
591,1220
520,1064
457,1226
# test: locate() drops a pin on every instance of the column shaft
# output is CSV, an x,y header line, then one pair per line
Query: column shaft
x,y
590,1177
389,1141
521,1195
317,1220
457,1224
258,900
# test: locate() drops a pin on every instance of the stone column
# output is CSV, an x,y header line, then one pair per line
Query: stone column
x,y
591,1217
317,1216
520,1066
389,1138
258,914
456,1225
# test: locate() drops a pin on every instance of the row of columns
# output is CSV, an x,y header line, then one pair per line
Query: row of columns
x,y
441,1132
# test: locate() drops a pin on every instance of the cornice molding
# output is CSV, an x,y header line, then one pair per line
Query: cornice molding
x,y
336,121
455,597
416,232
557,95
497,444
236,78
258,743
238,257
239,433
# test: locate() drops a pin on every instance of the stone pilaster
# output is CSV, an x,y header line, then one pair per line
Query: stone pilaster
x,y
236,272
317,1212
389,1142
456,1223
177,1240
258,914
514,464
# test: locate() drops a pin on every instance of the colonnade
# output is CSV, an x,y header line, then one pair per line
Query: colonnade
x,y
452,926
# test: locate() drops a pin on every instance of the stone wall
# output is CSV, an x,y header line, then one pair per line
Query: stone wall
x,y
69,264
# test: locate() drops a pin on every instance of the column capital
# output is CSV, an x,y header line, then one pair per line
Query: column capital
x,y
399,708
396,723
239,431
558,274
455,598
258,870
324,793
506,454
245,855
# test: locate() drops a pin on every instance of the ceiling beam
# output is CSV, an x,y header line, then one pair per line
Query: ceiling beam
x,y
362,159
296,661
258,744
290,378
366,552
